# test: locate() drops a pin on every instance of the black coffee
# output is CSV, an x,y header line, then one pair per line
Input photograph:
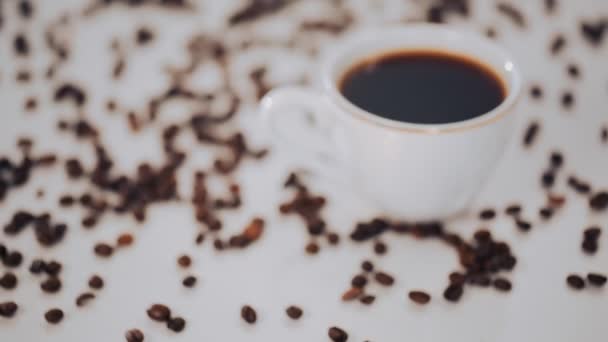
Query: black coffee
x,y
424,87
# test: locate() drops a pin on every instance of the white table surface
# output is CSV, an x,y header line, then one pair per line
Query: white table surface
x,y
275,272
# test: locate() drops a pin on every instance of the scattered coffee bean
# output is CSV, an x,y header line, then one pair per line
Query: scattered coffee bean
x,y
536,92
25,9
490,32
134,335
531,133
359,281
502,284
248,314
578,185
548,179
367,266
596,279
575,282
8,281
556,159
294,312
51,285
593,32
524,226
144,36
481,280
96,282
453,292
511,12
513,210
419,297
184,261
84,298
38,266
352,293
487,214
380,248
13,259
312,248
599,201
550,6
53,316
384,279
545,213
592,233
124,240
53,268
21,45
103,250
457,278
176,324
590,246
159,313
189,281
8,309
567,100
337,335
573,71
557,44
333,239
367,299
199,238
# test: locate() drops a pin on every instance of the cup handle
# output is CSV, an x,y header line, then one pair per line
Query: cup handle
x,y
322,149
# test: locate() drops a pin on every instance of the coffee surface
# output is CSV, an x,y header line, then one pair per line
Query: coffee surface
x,y
423,87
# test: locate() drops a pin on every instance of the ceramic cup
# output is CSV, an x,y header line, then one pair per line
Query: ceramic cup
x,y
412,171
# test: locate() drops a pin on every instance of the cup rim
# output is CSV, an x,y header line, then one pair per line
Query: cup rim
x,y
509,67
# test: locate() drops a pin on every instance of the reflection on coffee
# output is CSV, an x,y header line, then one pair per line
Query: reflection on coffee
x,y
423,87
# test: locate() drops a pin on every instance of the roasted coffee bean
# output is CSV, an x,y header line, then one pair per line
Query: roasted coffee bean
x,y
502,284
599,201
294,312
550,6
536,92
575,282
176,324
359,281
38,266
487,214
124,240
73,168
53,316
604,134
199,238
218,244
367,299
21,45
555,201
479,280
482,235
8,281
573,71
557,44
159,313
531,133
12,259
594,32
312,248
419,297
337,335
578,185
8,309
513,210
545,213
548,179
380,248
384,279
96,282
524,226
103,250
51,285
184,261
457,278
68,91
189,281
66,201
592,233
25,9
511,12
567,100
52,268
333,238
367,266
596,279
453,292
589,246
556,159
144,36
352,293
84,298
248,314
134,335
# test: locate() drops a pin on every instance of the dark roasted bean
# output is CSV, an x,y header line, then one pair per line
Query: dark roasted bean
x,y
524,226
457,278
54,316
103,250
248,314
189,281
479,280
367,266
52,268
96,282
514,14
21,45
548,179
419,297
596,279
573,71
333,238
531,133
567,100
337,335
384,279
592,233
599,201
84,298
367,299
134,335
184,261
159,313
380,248
557,44
312,248
51,285
176,324
25,9
589,246
502,284
37,266
8,281
594,32
13,259
359,281
545,213
293,312
514,209
144,36
8,309
487,214
536,92
575,282
453,292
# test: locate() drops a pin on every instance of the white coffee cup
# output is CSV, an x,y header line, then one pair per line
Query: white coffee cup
x,y
412,171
